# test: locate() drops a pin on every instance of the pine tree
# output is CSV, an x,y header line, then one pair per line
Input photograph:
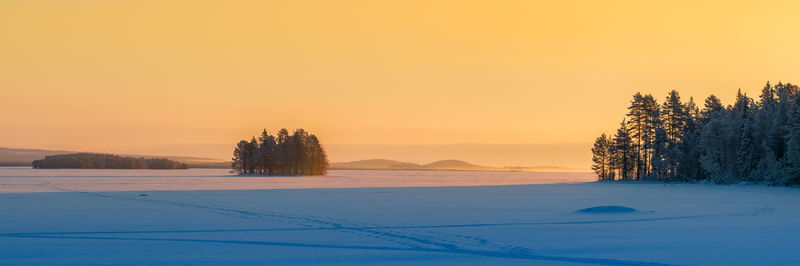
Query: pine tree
x,y
650,107
297,152
624,151
712,105
767,98
719,143
319,160
748,153
674,116
687,157
239,163
282,158
791,162
267,153
640,114
251,152
601,157
660,157
636,116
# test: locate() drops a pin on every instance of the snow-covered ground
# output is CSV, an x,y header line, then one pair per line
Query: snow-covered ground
x,y
155,223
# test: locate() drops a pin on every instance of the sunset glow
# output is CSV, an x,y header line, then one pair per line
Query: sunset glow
x,y
162,77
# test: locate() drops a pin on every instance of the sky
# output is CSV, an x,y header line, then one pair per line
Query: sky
x,y
180,77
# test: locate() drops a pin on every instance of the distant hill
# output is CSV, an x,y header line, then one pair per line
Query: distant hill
x,y
455,165
24,157
573,155
376,164
383,164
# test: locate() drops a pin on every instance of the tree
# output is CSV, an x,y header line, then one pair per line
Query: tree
x,y
674,116
652,122
282,150
267,153
601,157
250,152
660,161
687,154
239,163
637,116
767,97
299,150
791,162
318,157
640,113
624,151
712,105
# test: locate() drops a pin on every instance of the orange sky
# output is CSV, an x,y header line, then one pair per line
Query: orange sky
x,y
145,76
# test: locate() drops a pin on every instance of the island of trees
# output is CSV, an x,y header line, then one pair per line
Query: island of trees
x,y
104,161
299,153
753,140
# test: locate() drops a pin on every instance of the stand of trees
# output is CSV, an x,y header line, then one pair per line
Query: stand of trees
x,y
753,140
297,154
104,161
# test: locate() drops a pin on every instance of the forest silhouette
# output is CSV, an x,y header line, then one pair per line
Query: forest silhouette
x,y
104,161
297,154
750,141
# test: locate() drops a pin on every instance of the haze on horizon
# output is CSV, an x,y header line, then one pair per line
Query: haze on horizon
x,y
193,77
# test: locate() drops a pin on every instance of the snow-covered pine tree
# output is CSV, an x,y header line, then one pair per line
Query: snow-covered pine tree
x,y
756,136
791,162
659,155
688,154
719,142
674,117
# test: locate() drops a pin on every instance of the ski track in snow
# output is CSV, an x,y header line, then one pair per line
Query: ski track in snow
x,y
413,238
508,255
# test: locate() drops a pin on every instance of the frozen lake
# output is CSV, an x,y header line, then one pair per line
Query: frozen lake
x,y
25,179
419,217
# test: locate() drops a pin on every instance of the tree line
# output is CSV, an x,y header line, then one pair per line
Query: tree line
x,y
297,154
753,140
104,161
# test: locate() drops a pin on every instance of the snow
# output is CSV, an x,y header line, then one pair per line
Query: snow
x,y
445,220
607,209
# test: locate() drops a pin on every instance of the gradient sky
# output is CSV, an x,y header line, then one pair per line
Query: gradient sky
x,y
149,76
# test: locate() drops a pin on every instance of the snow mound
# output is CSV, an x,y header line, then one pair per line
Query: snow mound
x,y
607,209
